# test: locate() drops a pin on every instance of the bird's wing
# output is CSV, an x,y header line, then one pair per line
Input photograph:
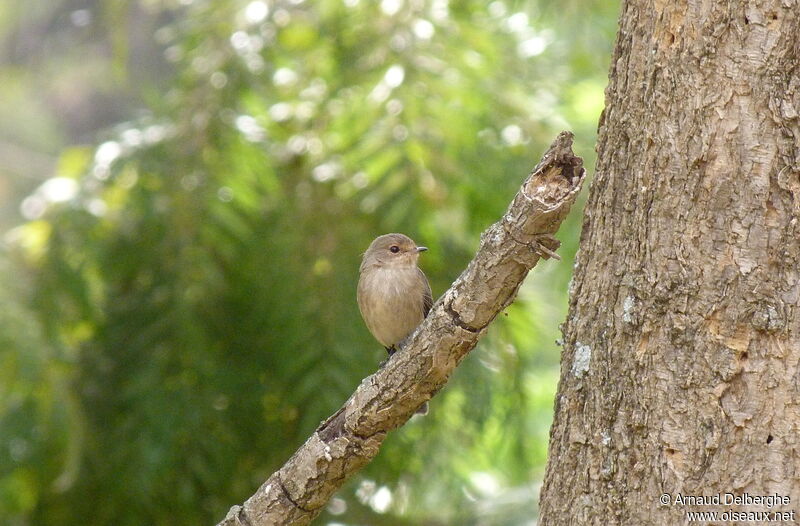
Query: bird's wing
x,y
427,297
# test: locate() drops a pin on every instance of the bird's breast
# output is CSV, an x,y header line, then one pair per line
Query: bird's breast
x,y
391,302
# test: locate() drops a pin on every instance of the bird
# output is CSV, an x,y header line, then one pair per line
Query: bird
x,y
393,294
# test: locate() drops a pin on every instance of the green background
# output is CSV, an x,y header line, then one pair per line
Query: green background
x,y
186,190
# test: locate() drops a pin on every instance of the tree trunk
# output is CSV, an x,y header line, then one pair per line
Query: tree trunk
x,y
680,365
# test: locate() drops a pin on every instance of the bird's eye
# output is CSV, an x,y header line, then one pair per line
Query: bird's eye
x,y
394,249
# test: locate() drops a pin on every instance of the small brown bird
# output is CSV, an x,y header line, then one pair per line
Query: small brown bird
x,y
393,293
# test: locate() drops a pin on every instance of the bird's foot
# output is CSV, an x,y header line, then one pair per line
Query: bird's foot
x,y
391,350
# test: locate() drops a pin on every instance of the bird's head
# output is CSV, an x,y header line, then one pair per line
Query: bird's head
x,y
395,250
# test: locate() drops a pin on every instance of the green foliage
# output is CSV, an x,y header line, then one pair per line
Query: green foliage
x,y
192,311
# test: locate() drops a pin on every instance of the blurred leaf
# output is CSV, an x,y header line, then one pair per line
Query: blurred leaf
x,y
191,308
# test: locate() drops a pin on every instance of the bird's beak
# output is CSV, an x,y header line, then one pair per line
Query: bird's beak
x,y
422,249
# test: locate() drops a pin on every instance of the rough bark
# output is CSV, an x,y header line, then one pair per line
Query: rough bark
x,y
350,438
680,363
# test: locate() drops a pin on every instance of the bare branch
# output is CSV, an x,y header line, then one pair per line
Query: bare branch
x,y
350,438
